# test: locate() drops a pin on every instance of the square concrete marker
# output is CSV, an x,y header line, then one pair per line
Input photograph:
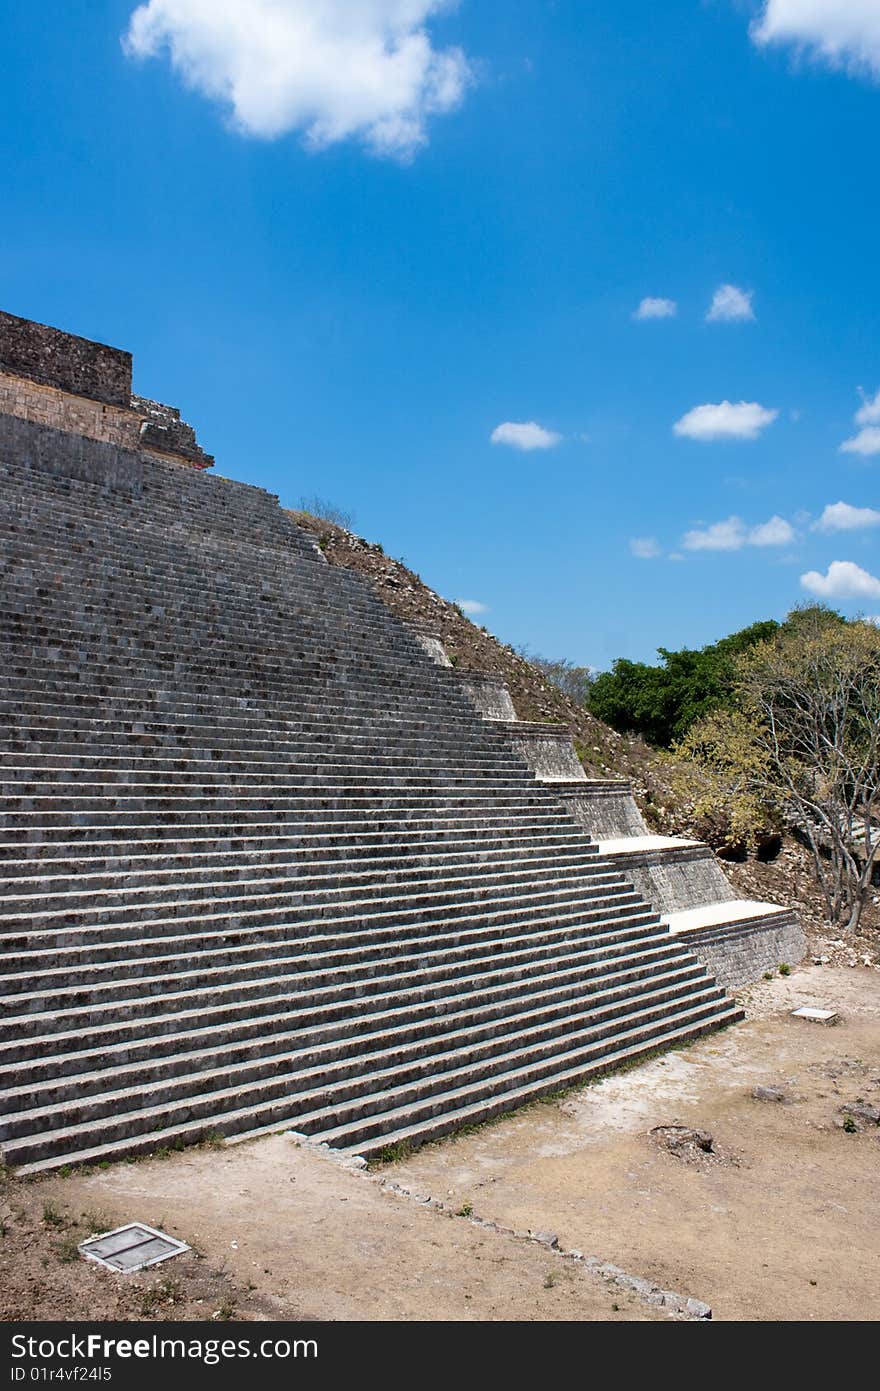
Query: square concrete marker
x,y
815,1016
132,1247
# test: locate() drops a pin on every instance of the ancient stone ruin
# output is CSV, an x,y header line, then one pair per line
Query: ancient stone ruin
x,y
269,862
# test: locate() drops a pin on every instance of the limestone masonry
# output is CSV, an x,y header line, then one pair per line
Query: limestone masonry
x,y
268,861
83,389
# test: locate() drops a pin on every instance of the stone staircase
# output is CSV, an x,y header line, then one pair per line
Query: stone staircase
x,y
263,864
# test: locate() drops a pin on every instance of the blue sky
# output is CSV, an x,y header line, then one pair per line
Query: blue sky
x,y
354,241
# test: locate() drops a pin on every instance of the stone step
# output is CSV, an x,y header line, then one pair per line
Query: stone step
x,y
103,981
131,757
357,780
326,829
158,1012
147,700
81,1054
474,845
169,710
406,1072
28,914
287,865
255,1058
345,1120
461,1105
114,740
285,685
399,1131
58,961
89,892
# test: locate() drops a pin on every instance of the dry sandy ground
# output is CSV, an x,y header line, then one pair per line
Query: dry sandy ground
x,y
779,1223
284,1233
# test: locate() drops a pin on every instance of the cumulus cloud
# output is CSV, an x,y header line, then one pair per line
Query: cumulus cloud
x,y
733,535
656,309
725,421
866,441
730,305
645,547
776,532
842,33
472,606
840,516
332,70
844,580
526,435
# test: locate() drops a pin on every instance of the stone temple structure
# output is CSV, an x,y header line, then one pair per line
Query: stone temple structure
x,y
269,862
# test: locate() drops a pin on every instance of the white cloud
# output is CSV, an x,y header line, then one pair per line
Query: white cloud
x,y
844,580
873,618
743,421
720,536
472,606
866,441
776,532
843,33
645,547
840,516
869,411
733,535
333,70
656,309
730,304
524,435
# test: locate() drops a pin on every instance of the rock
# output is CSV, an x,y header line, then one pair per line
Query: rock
x,y
697,1309
546,1239
862,1111
683,1140
768,1094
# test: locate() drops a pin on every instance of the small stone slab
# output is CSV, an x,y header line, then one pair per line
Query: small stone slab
x,y
130,1248
815,1016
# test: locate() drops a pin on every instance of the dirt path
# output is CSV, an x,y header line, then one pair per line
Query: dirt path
x,y
778,1222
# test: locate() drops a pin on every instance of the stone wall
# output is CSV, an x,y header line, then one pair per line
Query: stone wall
x,y
68,455
70,385
739,954
605,808
548,750
77,415
81,416
488,693
63,360
676,878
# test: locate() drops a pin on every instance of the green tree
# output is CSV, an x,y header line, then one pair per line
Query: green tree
x,y
661,702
